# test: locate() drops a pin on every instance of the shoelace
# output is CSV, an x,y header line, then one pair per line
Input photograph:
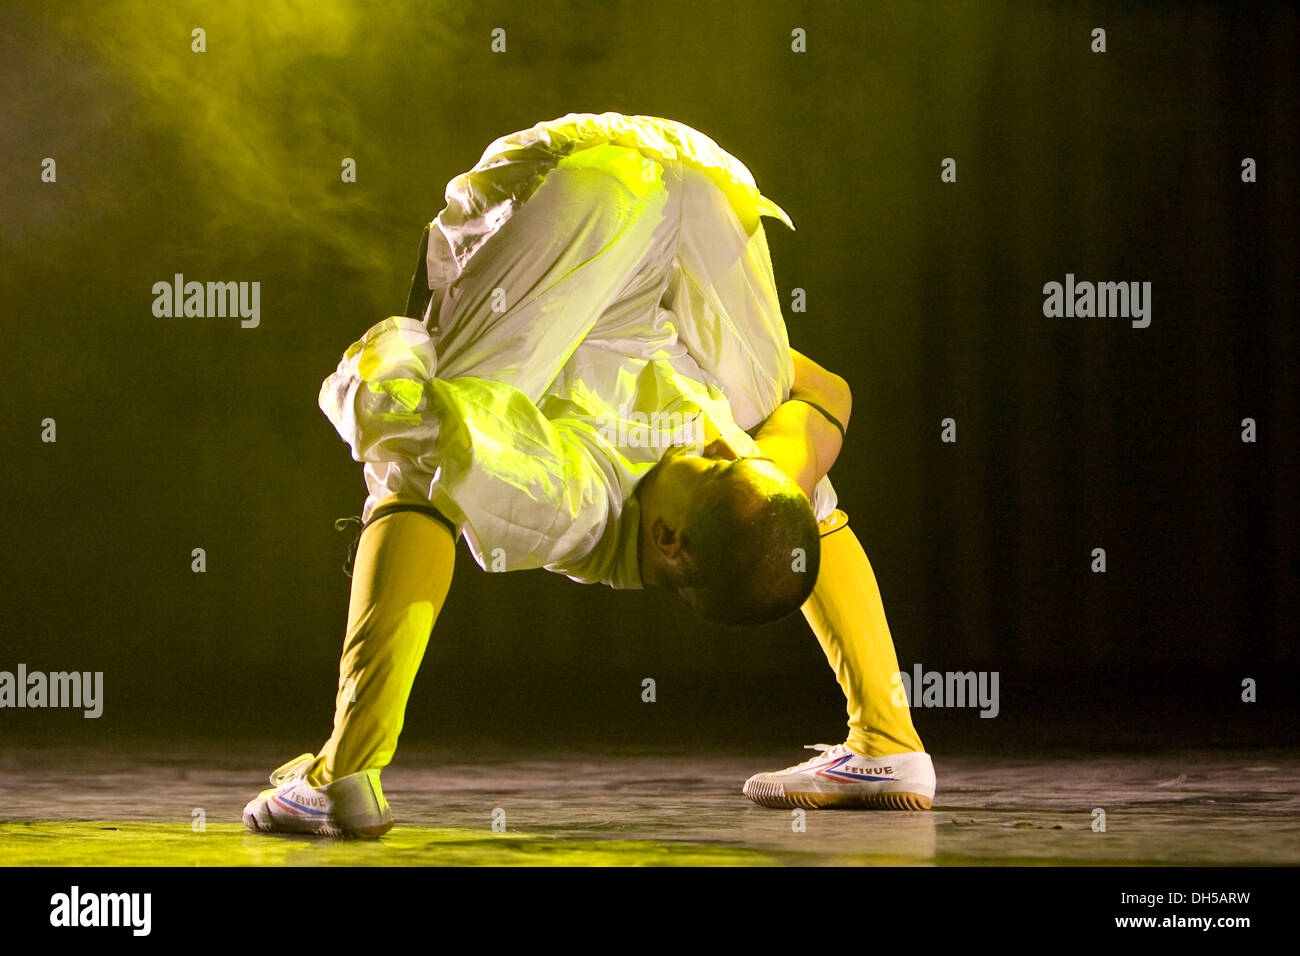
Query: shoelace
x,y
825,750
294,768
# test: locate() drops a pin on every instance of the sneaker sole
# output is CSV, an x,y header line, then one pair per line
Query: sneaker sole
x,y
337,833
370,833
358,833
775,795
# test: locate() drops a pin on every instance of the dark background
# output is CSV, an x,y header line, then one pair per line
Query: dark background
x,y
1072,433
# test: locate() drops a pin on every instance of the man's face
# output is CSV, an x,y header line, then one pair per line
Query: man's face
x,y
688,477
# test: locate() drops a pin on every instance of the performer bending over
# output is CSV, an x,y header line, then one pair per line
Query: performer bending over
x,y
600,384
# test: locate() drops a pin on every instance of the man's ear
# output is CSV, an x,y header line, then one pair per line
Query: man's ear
x,y
665,540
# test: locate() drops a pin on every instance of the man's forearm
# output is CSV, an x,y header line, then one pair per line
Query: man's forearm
x,y
821,388
804,435
800,441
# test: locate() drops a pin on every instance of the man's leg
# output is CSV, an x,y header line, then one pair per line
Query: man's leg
x,y
847,615
523,303
882,765
521,306
399,582
401,575
574,250
724,299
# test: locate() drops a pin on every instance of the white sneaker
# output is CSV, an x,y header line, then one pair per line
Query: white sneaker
x,y
351,806
837,777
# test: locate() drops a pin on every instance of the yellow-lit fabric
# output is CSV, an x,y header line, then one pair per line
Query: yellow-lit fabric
x,y
399,583
847,615
599,287
511,167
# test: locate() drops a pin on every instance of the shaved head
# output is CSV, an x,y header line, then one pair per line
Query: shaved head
x,y
751,551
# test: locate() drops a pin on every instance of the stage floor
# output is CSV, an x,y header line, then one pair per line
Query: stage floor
x,y
140,806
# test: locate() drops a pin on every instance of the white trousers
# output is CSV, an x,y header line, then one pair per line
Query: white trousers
x,y
616,248
612,262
